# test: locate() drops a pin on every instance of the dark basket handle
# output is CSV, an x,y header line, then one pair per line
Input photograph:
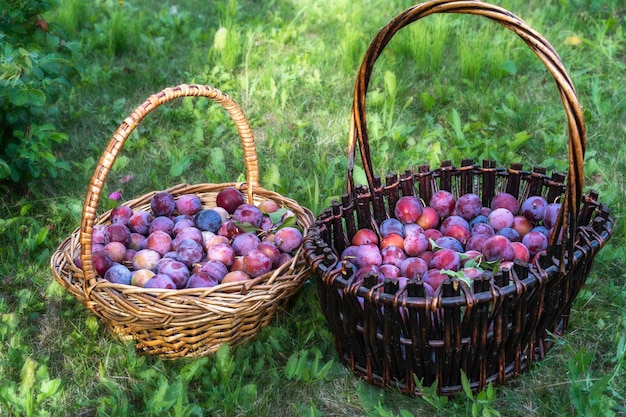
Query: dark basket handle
x,y
128,126
537,43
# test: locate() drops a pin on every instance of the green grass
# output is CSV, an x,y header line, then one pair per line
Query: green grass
x,y
446,88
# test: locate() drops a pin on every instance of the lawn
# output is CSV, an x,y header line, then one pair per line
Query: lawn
x,y
446,88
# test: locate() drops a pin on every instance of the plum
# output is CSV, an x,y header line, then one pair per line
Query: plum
x,y
505,200
229,229
391,225
500,218
447,259
268,206
368,254
160,242
116,251
509,233
160,281
224,253
389,271
498,248
448,242
533,208
408,209
413,267
288,239
140,221
162,204
119,233
163,224
551,214
248,214
453,220
458,232
535,242
235,276
468,206
364,236
521,251
141,276
177,271
213,269
256,263
137,241
101,262
182,224
429,218
121,214
483,229
245,242
443,202
100,234
392,239
271,251
118,274
189,252
200,281
145,259
392,255
229,199
414,244
208,220
192,233
188,204
434,278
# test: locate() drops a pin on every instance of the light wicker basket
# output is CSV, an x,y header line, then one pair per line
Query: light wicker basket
x,y
184,322
395,337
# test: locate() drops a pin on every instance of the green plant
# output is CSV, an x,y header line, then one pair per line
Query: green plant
x,y
597,396
301,367
35,69
35,388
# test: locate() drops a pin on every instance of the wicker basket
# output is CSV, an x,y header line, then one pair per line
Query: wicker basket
x,y
405,338
185,322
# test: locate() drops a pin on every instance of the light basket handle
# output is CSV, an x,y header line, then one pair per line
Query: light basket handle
x,y
123,132
537,43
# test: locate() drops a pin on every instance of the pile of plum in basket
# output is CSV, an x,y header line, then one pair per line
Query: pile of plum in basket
x,y
179,244
455,270
450,269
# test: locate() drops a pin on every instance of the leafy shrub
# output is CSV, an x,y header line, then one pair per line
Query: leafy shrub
x,y
35,72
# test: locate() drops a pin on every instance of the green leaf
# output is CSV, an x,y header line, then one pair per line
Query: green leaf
x,y
224,361
48,388
359,175
509,67
290,368
18,97
369,396
466,386
27,376
277,216
179,166
272,177
36,97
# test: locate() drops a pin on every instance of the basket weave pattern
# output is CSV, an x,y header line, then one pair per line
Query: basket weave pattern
x,y
495,331
187,322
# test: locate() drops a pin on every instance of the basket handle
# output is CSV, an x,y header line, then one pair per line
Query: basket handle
x,y
540,46
126,128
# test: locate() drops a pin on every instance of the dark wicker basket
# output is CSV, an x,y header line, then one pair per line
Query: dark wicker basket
x,y
186,322
395,338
